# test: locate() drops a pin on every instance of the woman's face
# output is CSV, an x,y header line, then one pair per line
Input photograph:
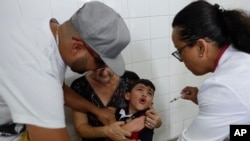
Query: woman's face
x,y
103,75
190,55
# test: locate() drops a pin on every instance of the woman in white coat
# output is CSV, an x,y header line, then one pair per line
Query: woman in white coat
x,y
210,39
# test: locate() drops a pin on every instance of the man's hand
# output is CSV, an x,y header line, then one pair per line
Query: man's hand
x,y
135,125
106,116
115,132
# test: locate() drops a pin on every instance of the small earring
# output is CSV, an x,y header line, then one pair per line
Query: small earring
x,y
201,55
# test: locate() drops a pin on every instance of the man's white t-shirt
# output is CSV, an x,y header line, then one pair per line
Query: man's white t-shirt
x,y
32,74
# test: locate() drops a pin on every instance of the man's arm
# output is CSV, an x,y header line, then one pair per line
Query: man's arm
x,y
79,103
47,134
112,131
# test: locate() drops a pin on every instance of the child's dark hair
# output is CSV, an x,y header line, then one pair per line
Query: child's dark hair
x,y
145,82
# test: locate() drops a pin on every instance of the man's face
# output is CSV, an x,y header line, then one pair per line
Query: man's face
x,y
86,58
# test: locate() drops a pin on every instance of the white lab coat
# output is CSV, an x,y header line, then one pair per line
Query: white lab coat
x,y
224,99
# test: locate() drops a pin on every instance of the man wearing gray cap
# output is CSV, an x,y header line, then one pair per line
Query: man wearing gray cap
x,y
34,56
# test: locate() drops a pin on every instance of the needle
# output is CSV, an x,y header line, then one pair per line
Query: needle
x,y
178,97
175,99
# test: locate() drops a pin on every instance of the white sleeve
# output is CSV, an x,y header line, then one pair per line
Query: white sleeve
x,y
34,96
219,107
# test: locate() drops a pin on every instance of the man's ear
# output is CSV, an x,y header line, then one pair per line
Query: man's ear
x,y
127,95
77,46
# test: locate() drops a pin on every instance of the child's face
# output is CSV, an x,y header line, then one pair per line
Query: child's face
x,y
140,98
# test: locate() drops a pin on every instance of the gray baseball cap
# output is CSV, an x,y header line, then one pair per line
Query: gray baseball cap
x,y
104,31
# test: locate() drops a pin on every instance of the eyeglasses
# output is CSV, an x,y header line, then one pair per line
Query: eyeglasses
x,y
177,53
98,61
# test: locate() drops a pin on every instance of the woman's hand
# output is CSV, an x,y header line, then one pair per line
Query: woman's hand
x,y
152,120
190,93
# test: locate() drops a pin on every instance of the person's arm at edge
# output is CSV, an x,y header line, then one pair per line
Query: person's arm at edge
x,y
80,104
83,129
37,133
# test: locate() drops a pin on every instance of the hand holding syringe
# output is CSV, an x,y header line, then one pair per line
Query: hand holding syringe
x,y
189,93
178,97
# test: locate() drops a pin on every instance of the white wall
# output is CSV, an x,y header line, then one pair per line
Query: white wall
x,y
148,54
245,5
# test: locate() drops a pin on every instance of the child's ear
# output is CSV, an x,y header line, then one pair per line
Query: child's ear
x,y
127,95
